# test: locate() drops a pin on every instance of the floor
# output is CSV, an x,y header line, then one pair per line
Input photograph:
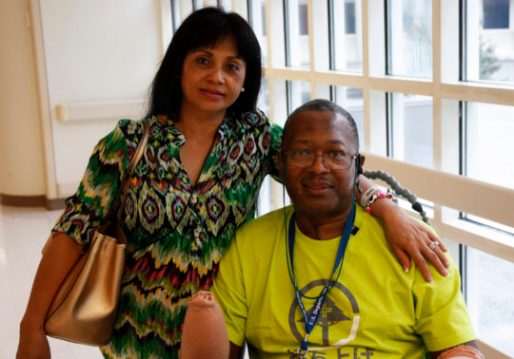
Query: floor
x,y
23,232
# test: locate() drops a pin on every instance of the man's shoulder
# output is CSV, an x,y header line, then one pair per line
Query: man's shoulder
x,y
266,224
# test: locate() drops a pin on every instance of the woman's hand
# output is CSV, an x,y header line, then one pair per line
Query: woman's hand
x,y
33,344
410,239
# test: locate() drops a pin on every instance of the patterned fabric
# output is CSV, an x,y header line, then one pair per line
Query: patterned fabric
x,y
176,232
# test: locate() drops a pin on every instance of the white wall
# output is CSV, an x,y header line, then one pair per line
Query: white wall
x,y
97,54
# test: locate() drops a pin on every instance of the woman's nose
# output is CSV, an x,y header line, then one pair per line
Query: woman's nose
x,y
216,74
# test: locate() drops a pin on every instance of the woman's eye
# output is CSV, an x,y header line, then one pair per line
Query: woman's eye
x,y
234,67
202,60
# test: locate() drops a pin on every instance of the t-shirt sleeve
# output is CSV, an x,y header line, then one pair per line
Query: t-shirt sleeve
x,y
86,209
228,290
442,318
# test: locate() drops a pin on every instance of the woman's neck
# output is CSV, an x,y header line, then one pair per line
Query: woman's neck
x,y
199,125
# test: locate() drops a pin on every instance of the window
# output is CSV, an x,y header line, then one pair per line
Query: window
x,y
349,15
489,144
410,37
496,14
431,87
302,17
489,42
411,129
491,311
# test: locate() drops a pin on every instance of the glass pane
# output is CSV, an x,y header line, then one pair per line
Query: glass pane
x,y
299,92
263,99
490,40
351,99
491,224
297,34
347,33
257,19
412,129
490,294
410,36
490,145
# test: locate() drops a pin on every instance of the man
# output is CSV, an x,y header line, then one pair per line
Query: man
x,y
317,280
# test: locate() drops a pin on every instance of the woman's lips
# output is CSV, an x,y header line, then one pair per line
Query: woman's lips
x,y
212,93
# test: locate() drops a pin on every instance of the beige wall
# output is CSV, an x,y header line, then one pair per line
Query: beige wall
x,y
68,72
22,170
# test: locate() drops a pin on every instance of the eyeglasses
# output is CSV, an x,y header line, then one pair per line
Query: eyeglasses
x,y
333,159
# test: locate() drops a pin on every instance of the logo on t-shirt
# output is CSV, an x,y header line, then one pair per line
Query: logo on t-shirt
x,y
338,321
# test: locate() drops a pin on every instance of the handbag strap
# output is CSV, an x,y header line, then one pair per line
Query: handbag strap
x,y
140,149
132,165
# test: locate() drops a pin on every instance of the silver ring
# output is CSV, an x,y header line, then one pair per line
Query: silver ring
x,y
433,245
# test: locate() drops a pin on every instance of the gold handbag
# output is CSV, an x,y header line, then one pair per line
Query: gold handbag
x,y
84,309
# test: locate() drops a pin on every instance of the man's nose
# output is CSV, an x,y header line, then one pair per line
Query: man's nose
x,y
318,164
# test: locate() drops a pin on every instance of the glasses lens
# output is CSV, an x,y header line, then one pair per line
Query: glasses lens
x,y
331,160
340,162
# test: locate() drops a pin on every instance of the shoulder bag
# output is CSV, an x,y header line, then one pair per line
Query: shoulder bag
x,y
85,306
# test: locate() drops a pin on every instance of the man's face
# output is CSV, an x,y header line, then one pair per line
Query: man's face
x,y
318,189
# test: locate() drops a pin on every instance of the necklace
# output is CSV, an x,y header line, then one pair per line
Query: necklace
x,y
312,318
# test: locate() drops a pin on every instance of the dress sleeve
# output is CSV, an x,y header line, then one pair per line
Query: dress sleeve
x,y
274,137
442,319
85,210
228,290
276,143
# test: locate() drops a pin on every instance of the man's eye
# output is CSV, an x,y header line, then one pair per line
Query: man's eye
x,y
301,153
336,154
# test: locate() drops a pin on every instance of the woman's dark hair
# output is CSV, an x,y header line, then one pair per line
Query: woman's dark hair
x,y
206,27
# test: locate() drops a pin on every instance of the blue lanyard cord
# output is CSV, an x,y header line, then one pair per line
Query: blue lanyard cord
x,y
311,320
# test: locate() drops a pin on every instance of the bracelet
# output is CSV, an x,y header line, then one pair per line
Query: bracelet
x,y
376,196
367,195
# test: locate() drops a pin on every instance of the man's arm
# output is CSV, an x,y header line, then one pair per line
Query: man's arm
x,y
466,350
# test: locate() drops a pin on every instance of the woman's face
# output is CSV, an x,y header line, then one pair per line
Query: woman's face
x,y
212,78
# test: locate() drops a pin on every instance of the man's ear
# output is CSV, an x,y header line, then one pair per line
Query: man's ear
x,y
362,159
359,163
280,166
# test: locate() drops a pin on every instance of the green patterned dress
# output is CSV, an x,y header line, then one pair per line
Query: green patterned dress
x,y
176,232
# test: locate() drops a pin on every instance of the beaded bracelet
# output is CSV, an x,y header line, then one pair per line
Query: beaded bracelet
x,y
367,195
376,196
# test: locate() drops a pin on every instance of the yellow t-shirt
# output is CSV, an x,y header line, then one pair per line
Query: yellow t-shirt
x,y
375,310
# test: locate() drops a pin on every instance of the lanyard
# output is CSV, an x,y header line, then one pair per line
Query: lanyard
x,y
311,320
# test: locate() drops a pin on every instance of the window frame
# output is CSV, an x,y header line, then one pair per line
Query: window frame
x,y
444,183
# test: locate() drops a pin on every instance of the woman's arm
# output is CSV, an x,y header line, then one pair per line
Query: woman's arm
x,y
466,350
61,253
407,237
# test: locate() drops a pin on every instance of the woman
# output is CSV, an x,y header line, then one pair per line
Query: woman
x,y
208,152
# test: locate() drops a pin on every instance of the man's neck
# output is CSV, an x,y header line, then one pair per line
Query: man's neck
x,y
321,228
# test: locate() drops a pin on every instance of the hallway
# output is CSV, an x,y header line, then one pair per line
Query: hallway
x,y
23,232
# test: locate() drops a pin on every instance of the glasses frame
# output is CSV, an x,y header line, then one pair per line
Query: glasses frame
x,y
323,160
